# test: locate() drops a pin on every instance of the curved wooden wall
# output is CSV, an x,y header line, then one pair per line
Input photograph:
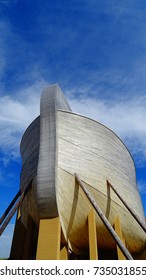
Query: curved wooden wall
x,y
29,148
94,152
39,156
57,145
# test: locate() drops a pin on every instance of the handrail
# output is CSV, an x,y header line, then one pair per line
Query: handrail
x,y
104,219
16,206
143,226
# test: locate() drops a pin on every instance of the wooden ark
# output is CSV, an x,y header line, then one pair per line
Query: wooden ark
x,y
57,145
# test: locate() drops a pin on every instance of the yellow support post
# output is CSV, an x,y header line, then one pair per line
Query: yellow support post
x,y
118,230
49,238
93,251
64,253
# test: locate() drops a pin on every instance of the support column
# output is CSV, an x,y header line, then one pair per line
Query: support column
x,y
18,239
93,251
28,242
64,253
49,238
118,230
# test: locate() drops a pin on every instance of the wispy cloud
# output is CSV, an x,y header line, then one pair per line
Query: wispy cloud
x,y
142,187
4,29
108,69
5,241
16,113
125,117
5,2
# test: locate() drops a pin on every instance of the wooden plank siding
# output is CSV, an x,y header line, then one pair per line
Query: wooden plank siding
x,y
59,144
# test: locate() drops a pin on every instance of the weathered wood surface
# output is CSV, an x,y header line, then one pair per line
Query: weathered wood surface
x,y
132,211
57,145
94,152
104,219
29,148
39,156
52,99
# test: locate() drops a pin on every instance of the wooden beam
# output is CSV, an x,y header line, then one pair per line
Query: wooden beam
x,y
118,230
104,220
143,226
10,207
17,246
93,252
15,208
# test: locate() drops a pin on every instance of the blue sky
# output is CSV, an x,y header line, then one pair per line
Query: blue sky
x,y
95,50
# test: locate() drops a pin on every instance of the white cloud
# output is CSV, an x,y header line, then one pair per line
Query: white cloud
x,y
15,115
4,30
5,241
142,187
125,118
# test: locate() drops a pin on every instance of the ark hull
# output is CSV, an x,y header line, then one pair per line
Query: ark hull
x,y
59,144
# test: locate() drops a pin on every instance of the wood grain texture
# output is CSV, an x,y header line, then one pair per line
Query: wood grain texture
x,y
51,100
57,145
29,148
39,156
94,152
